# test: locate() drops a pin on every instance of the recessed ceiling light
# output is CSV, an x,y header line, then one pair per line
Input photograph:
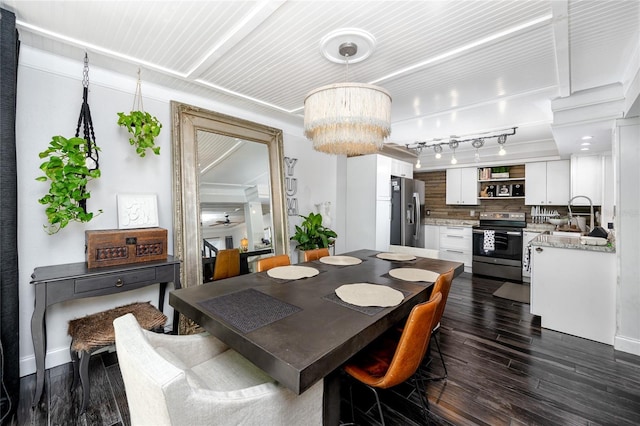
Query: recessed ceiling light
x,y
585,144
586,138
586,148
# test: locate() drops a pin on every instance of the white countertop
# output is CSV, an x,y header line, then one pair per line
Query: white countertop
x,y
450,222
558,241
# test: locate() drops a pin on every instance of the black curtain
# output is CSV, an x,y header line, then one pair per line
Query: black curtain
x,y
9,324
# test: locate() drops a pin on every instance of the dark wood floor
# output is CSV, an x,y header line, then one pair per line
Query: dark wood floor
x,y
503,370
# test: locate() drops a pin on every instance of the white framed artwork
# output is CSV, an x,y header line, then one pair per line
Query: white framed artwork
x,y
137,211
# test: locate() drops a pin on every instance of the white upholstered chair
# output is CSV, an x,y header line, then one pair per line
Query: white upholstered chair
x,y
198,380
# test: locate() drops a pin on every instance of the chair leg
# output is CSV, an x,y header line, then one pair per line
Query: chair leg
x,y
418,384
84,379
353,419
433,379
378,404
74,364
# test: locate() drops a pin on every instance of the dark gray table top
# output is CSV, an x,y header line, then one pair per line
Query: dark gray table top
x,y
303,345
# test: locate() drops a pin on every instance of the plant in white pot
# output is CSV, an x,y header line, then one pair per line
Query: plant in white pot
x,y
311,234
143,127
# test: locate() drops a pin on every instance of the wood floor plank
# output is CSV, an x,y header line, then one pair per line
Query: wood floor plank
x,y
504,369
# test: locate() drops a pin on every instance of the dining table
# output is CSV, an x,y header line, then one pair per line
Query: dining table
x,y
300,331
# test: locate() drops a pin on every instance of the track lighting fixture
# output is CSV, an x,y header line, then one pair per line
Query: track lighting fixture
x,y
477,141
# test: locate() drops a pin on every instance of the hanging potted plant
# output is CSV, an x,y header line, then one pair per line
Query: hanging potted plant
x,y
312,235
66,168
142,126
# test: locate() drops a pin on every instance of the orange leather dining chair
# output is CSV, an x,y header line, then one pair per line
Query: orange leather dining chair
x,y
442,286
395,357
315,254
273,261
227,264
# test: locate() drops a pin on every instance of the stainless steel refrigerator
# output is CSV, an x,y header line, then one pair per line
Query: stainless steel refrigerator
x,y
407,211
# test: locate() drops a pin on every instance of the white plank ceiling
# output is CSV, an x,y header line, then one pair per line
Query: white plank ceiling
x,y
452,67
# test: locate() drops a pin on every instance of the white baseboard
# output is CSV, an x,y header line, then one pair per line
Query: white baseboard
x,y
53,358
626,344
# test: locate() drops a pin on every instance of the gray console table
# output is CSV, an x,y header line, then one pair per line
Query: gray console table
x,y
59,283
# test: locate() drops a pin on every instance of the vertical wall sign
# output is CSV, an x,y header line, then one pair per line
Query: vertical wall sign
x,y
291,186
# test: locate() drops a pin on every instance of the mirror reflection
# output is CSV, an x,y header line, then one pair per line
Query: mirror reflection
x,y
237,168
235,199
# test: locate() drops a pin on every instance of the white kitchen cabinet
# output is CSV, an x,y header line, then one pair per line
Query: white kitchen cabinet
x,y
527,236
574,291
547,183
587,176
368,203
432,237
401,168
456,244
462,186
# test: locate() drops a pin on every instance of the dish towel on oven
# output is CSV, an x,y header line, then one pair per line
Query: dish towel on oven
x,y
489,240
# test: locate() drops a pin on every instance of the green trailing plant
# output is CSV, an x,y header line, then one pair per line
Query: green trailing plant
x,y
144,128
66,168
311,234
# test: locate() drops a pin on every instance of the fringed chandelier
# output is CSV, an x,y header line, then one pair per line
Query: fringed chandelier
x,y
347,118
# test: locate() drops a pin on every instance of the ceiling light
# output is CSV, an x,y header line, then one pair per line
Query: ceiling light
x,y
477,144
586,138
585,144
438,150
502,139
453,145
347,118
418,165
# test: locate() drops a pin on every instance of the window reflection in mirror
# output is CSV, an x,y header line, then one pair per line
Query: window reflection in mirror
x,y
235,196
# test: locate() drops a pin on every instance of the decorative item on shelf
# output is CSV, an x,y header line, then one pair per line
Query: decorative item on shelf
x,y
500,172
484,173
143,127
477,141
347,118
311,234
517,190
491,190
244,245
71,164
504,190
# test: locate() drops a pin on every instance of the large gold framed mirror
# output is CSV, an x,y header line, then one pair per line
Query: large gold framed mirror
x,y
193,126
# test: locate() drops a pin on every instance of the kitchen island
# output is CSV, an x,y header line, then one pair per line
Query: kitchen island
x,y
573,287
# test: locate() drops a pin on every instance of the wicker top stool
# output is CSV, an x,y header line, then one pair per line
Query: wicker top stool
x,y
94,332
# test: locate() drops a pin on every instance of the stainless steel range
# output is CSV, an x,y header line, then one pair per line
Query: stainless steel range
x,y
497,245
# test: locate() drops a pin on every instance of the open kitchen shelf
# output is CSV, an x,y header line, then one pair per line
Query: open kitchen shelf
x,y
498,198
500,180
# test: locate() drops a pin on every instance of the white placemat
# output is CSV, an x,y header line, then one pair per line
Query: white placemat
x,y
292,272
365,294
340,260
395,256
414,274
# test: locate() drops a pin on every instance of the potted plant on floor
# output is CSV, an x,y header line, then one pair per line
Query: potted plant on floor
x,y
311,234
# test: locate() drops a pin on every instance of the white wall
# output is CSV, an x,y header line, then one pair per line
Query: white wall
x,y
628,235
49,99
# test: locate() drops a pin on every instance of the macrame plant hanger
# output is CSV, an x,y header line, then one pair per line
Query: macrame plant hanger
x,y
137,97
90,148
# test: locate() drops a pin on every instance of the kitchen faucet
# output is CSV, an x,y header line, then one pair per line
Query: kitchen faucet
x,y
591,224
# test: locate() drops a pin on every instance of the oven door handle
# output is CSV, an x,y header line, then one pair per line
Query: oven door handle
x,y
480,231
